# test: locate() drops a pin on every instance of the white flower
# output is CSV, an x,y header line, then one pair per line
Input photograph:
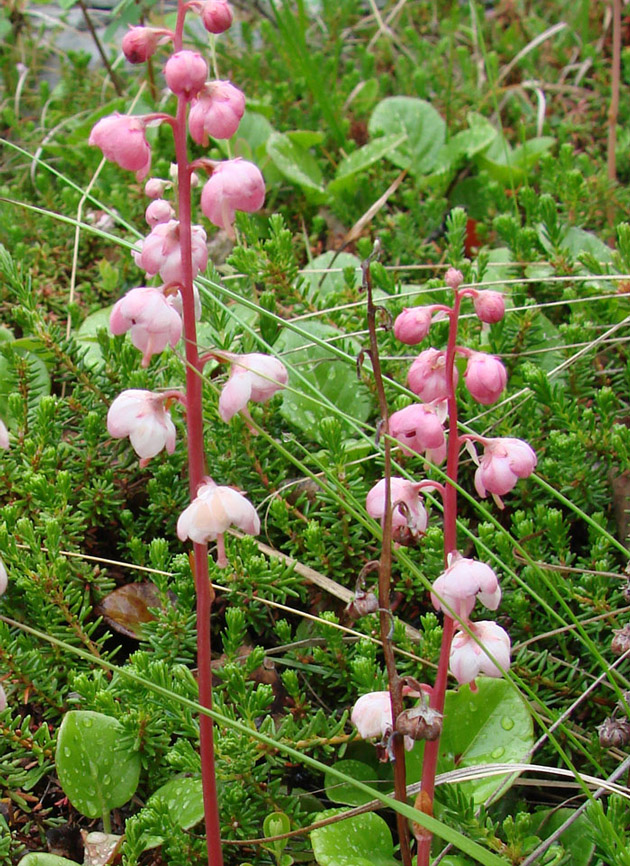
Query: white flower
x,y
468,658
4,435
213,511
372,717
254,377
4,578
462,583
141,416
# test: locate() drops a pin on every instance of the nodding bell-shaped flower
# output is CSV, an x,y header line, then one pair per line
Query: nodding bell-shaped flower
x,y
427,376
4,578
409,516
234,185
160,252
463,582
489,306
4,435
216,16
186,72
122,139
485,377
372,717
142,416
468,659
418,428
159,211
140,43
212,513
3,699
216,111
151,320
254,377
412,325
504,461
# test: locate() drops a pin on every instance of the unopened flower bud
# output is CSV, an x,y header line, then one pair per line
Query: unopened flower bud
x,y
362,604
154,187
420,723
427,376
159,211
3,699
485,377
216,16
614,733
412,325
453,278
621,640
140,43
490,306
186,72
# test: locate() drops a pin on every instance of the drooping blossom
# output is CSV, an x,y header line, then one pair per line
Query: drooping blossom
x,y
427,376
160,252
4,435
453,278
3,699
489,306
409,516
186,72
213,511
412,325
216,111
419,428
122,139
463,582
372,717
142,416
155,187
235,184
485,377
151,320
468,659
159,211
254,377
504,461
140,43
216,16
4,578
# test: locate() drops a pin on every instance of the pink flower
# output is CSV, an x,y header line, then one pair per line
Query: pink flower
x,y
489,306
213,511
427,376
419,428
372,717
122,139
462,583
4,435
150,318
159,211
485,377
4,578
186,72
154,187
140,43
453,278
254,377
468,659
234,185
412,325
216,111
216,16
409,516
141,416
504,461
3,699
160,252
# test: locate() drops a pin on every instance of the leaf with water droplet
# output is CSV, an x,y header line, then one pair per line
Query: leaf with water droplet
x,y
38,858
96,770
363,840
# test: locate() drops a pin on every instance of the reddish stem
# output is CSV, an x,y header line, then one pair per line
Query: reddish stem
x,y
432,748
196,472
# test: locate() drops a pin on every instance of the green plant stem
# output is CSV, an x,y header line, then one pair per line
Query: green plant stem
x,y
107,822
438,695
385,573
196,473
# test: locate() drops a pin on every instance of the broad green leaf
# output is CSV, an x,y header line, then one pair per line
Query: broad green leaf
x,y
183,798
342,792
578,241
420,122
327,376
364,840
319,285
305,137
86,336
36,858
526,155
296,164
275,824
96,771
492,725
576,839
363,158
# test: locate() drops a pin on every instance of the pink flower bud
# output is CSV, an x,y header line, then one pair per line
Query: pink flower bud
x,y
160,252
412,325
462,583
212,513
141,416
122,139
490,306
4,578
140,43
468,659
216,111
151,320
453,278
372,717
186,73
154,187
419,428
485,377
4,435
234,185
504,461
409,516
216,16
427,376
159,211
254,377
